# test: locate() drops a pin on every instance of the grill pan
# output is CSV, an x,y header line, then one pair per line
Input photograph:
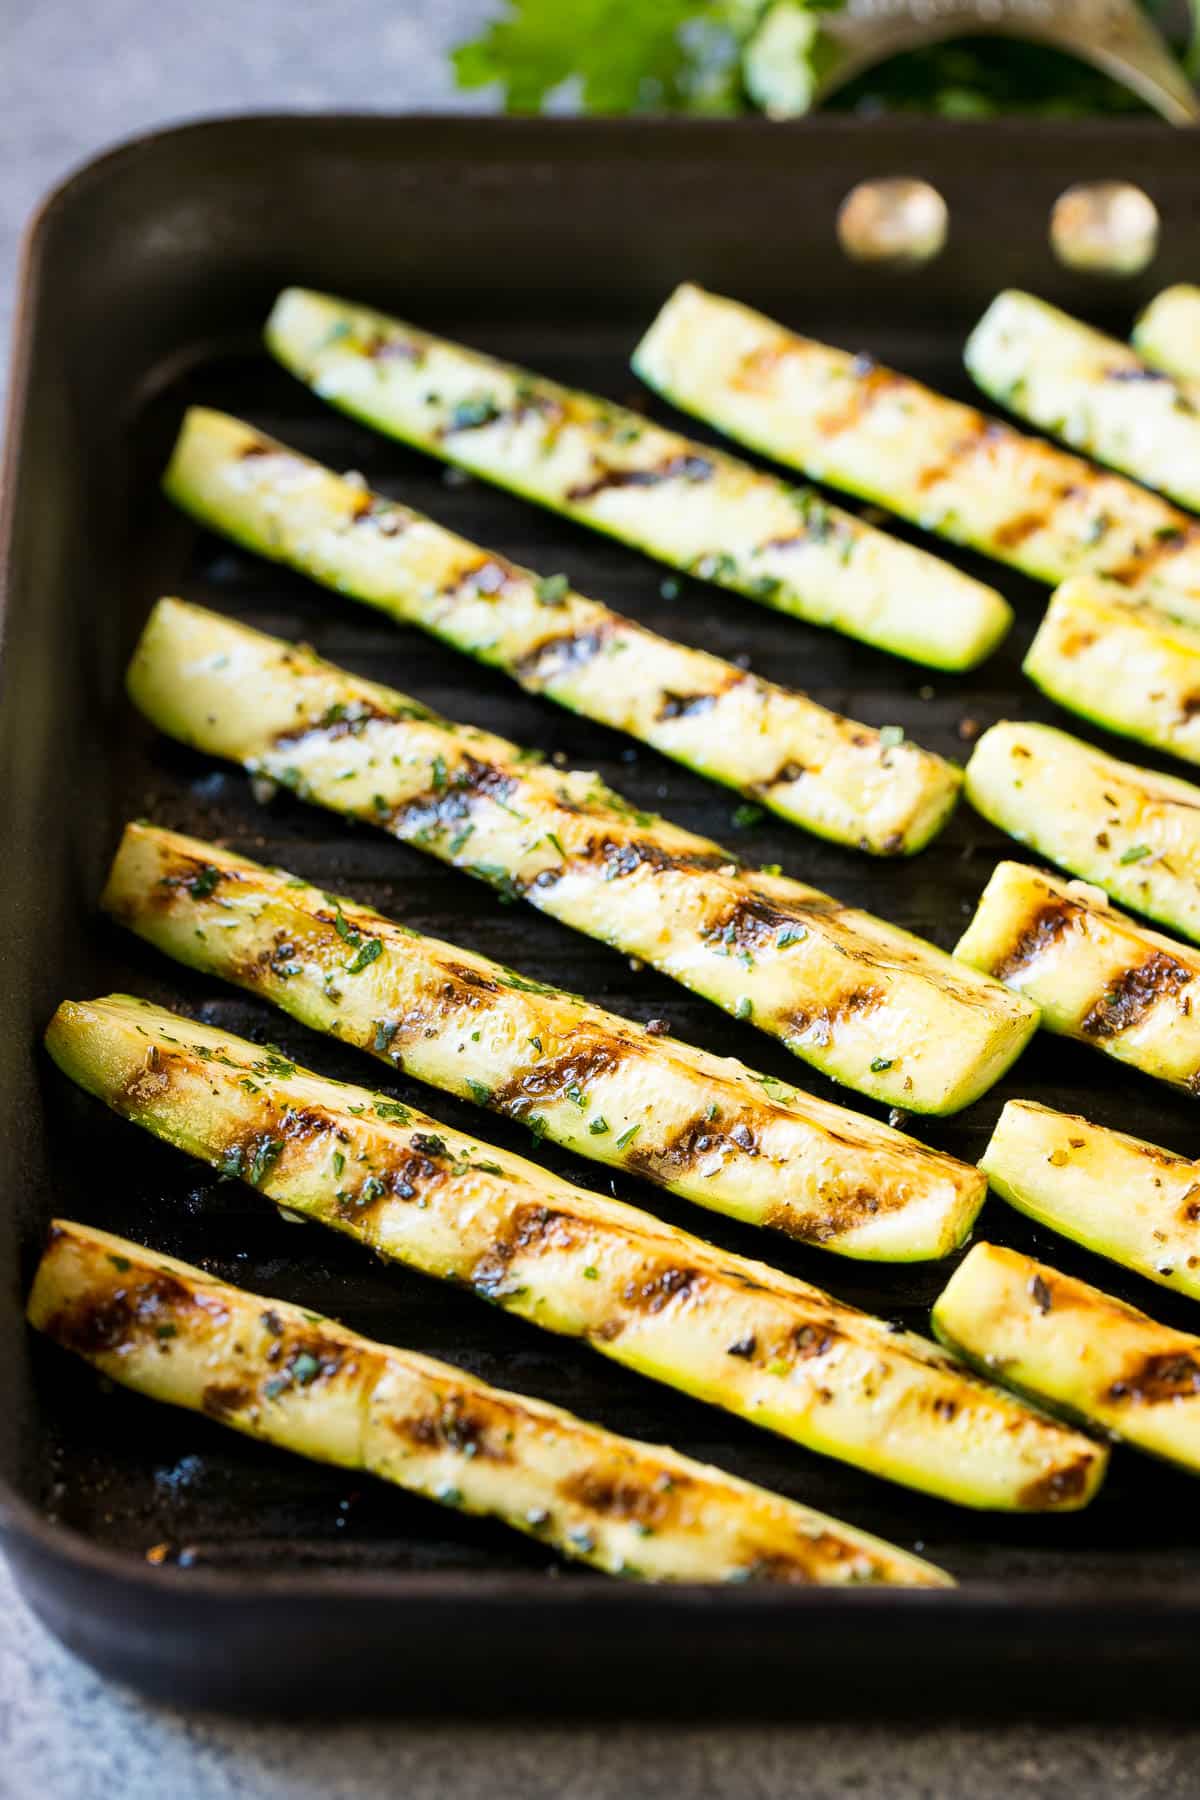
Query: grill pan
x,y
283,1585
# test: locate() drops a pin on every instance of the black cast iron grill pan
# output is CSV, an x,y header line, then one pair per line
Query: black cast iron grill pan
x,y
282,1584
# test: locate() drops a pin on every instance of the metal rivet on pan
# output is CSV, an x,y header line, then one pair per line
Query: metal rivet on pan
x,y
1106,227
896,219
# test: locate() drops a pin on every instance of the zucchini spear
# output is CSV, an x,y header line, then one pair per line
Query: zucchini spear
x,y
1076,1349
945,466
865,1002
1168,332
717,1326
1122,662
700,1125
308,1384
1089,389
1132,832
1094,973
837,778
1123,1198
685,503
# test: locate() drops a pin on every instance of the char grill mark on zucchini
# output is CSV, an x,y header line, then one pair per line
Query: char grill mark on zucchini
x,y
307,1384
1130,831
1095,974
695,508
770,950
651,1297
1076,1349
1168,332
886,438
828,774
1127,664
1092,391
1125,1199
701,1125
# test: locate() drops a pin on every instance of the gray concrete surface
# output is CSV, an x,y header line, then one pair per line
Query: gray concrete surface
x,y
75,77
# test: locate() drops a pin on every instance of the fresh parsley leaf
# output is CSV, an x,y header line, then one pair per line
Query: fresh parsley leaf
x,y
675,55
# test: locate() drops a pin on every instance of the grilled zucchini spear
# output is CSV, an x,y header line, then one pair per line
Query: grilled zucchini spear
x,y
308,1384
835,777
1168,332
680,501
946,467
860,999
1134,833
720,1327
1094,973
700,1125
1076,1349
1124,1199
1131,666
1089,389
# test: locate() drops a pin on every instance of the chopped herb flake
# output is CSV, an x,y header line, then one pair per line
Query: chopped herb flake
x,y
343,927
364,956
471,413
552,590
393,1111
266,1154
203,882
